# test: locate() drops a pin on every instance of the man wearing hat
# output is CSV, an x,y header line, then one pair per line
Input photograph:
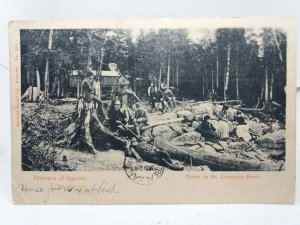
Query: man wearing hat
x,y
88,95
207,130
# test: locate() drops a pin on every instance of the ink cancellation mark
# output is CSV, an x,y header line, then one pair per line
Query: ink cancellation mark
x,y
141,172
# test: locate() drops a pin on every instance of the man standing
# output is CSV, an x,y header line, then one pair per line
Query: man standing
x,y
150,94
159,97
88,93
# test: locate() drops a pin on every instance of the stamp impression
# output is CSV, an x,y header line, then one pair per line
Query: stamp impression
x,y
141,172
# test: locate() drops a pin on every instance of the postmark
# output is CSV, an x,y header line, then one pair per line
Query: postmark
x,y
141,172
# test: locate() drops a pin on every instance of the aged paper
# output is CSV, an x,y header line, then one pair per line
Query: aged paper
x,y
153,111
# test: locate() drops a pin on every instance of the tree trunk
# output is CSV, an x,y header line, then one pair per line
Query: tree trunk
x,y
277,45
63,86
226,80
212,81
271,87
266,88
38,81
272,79
217,72
47,65
58,87
168,73
54,85
89,63
159,80
236,72
177,77
78,87
203,86
205,83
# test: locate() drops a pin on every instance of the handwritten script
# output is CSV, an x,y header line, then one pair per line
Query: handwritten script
x,y
48,191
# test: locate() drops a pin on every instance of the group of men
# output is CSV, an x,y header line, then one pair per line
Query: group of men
x,y
125,114
227,122
126,117
161,96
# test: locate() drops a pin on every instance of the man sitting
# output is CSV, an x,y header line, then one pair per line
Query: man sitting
x,y
207,130
169,98
117,117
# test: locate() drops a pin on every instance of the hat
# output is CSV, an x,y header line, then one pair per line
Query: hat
x,y
89,74
207,117
117,102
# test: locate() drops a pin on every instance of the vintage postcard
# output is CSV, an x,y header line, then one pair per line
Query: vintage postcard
x,y
153,111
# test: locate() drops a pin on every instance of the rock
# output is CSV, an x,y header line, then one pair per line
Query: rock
x,y
186,114
266,127
224,144
164,131
208,148
188,137
201,144
231,125
189,129
230,113
195,124
168,116
177,127
255,127
272,141
275,126
198,117
194,147
240,145
218,110
217,147
205,108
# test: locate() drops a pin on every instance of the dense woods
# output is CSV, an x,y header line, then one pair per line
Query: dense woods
x,y
246,64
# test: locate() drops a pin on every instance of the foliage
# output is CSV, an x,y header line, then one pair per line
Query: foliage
x,y
39,133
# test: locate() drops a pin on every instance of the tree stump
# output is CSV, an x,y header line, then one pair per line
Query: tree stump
x,y
87,132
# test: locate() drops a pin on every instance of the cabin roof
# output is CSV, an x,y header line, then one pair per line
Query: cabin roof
x,y
104,73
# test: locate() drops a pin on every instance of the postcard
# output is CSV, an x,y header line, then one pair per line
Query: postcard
x,y
153,111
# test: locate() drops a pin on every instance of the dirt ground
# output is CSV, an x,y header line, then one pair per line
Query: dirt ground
x,y
103,160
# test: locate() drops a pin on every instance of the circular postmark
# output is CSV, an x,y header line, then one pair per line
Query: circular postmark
x,y
141,172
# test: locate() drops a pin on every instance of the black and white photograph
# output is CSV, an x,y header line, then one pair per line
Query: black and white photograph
x,y
197,99
149,112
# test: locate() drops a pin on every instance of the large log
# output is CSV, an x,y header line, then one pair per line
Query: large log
x,y
251,109
162,123
215,161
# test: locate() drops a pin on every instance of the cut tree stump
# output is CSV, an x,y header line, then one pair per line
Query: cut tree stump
x,y
87,133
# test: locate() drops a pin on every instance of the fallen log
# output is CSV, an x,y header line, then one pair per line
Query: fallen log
x,y
162,123
251,109
214,161
218,102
